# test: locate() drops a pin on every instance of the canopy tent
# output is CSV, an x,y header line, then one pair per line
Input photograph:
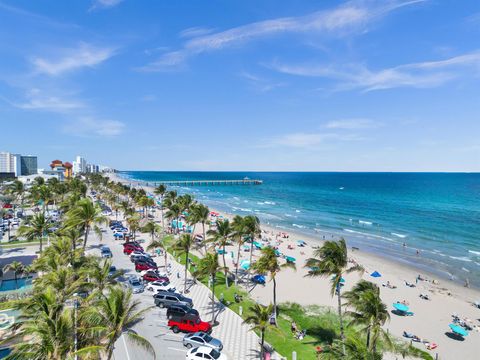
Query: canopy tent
x,y
375,274
290,259
401,307
245,264
457,329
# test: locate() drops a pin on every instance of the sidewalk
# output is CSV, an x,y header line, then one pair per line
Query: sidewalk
x,y
239,342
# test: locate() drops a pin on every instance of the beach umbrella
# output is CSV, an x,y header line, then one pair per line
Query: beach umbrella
x,y
245,265
290,259
118,235
457,329
278,253
400,307
375,274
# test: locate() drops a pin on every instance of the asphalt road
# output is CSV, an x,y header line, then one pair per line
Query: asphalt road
x,y
167,345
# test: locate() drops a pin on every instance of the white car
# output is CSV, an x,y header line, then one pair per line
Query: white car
x,y
160,286
204,352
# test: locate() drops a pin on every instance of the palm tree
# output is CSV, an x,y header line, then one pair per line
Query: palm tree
x,y
160,191
47,326
184,244
87,216
208,266
155,244
220,237
134,224
259,318
252,229
202,213
151,228
173,213
18,190
99,275
238,226
370,311
17,267
114,315
37,228
268,263
331,260
42,193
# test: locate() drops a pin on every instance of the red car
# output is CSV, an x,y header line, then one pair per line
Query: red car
x,y
190,325
128,249
153,276
140,266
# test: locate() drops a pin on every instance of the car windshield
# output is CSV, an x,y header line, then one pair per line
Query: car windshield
x,y
207,338
215,354
136,283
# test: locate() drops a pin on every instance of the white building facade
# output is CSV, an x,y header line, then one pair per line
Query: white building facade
x,y
10,163
79,165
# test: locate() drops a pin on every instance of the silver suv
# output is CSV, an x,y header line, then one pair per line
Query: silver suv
x,y
135,285
202,339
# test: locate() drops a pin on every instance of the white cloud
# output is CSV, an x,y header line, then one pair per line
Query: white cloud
x,y
104,4
88,126
195,32
351,124
259,83
418,75
85,55
309,140
340,20
37,99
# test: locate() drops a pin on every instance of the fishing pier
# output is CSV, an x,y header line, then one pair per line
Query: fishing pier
x,y
207,182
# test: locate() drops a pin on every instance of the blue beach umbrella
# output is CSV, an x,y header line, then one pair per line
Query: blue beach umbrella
x,y
118,235
245,265
457,329
290,259
400,307
375,274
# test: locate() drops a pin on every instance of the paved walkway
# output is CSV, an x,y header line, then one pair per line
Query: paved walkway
x,y
239,342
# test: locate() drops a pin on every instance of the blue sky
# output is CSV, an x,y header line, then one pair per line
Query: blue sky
x,y
390,85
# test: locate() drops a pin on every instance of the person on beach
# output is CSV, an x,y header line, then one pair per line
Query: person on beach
x,y
293,327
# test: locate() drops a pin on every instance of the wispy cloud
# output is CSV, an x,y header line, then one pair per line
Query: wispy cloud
x,y
89,126
37,99
352,124
311,140
104,4
418,75
259,83
84,55
195,32
337,21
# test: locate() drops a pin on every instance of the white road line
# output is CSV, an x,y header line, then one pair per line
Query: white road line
x,y
181,350
126,349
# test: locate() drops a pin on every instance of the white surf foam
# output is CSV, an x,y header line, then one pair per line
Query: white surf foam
x,y
461,258
399,235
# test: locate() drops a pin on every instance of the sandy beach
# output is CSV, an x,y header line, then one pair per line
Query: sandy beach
x,y
431,317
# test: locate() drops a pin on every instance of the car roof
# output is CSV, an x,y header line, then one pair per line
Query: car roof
x,y
204,350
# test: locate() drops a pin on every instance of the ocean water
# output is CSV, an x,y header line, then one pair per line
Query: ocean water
x,y
435,213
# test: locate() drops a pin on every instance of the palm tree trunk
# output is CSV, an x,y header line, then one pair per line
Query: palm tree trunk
x,y
368,338
41,243
262,343
340,318
274,299
186,269
225,271
87,229
213,299
251,254
204,238
16,284
238,260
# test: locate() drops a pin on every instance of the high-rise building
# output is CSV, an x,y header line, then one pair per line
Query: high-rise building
x,y
79,165
10,163
92,168
29,165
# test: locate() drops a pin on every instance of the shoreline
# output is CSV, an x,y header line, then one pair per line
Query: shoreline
x,y
317,237
431,317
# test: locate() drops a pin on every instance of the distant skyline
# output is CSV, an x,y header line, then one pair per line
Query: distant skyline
x,y
361,85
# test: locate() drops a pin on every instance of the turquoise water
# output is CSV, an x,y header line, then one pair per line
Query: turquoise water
x,y
9,285
436,213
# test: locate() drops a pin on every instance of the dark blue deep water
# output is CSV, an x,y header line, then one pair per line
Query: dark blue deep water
x,y
436,213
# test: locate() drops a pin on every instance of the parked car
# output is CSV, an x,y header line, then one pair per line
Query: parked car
x,y
180,311
146,259
160,286
205,352
199,339
189,325
112,270
137,255
151,275
105,252
128,249
166,299
139,266
136,285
